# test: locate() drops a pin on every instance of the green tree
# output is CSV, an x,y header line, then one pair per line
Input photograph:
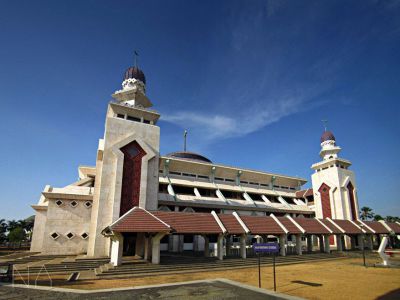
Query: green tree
x,y
3,230
16,235
392,219
366,213
378,217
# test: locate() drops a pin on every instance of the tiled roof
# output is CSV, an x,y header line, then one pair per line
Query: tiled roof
x,y
231,224
304,193
139,220
311,226
332,227
293,229
347,226
378,227
394,226
262,225
366,228
183,222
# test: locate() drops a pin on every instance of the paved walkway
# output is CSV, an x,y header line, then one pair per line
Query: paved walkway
x,y
201,290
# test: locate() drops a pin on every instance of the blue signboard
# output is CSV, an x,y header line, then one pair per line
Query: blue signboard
x,y
266,247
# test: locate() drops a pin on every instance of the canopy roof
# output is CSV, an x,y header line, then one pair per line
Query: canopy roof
x,y
141,220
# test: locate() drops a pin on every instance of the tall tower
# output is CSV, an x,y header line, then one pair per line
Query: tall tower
x,y
127,159
334,185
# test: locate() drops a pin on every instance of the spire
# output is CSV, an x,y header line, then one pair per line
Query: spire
x,y
136,55
325,124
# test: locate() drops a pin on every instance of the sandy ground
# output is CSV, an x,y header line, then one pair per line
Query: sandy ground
x,y
337,279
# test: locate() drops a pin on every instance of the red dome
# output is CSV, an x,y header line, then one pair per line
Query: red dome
x,y
327,136
136,73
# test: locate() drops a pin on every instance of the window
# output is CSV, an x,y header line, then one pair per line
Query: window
x,y
59,203
88,204
84,235
54,235
120,116
70,235
146,121
203,177
133,119
74,204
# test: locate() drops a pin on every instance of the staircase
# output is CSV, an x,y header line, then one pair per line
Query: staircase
x,y
173,264
64,267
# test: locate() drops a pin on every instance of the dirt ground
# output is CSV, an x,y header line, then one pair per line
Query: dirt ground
x,y
335,279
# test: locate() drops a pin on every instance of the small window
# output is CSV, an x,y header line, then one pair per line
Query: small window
x,y
84,235
120,116
70,235
133,119
74,204
146,121
88,204
54,235
59,203
203,177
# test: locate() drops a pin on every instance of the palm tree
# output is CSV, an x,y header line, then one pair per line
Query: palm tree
x,y
366,213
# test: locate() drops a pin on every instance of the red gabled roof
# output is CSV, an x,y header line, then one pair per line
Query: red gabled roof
x,y
262,225
366,229
304,193
139,220
183,222
378,227
311,226
332,227
289,225
347,226
231,224
394,226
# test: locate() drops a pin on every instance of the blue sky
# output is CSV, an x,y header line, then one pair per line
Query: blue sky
x,y
250,80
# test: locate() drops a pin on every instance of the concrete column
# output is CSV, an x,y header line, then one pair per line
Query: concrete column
x,y
155,246
360,238
139,246
353,242
298,244
117,242
369,243
327,246
309,243
339,243
228,245
206,246
180,243
195,243
321,243
282,242
147,248
243,239
220,247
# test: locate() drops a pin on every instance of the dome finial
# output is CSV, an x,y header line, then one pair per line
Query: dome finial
x,y
184,140
136,55
325,122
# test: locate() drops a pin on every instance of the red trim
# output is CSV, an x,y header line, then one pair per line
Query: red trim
x,y
131,174
352,201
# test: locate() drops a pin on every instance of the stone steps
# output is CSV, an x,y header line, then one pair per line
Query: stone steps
x,y
133,270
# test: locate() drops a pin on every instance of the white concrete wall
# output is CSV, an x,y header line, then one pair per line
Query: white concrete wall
x,y
63,219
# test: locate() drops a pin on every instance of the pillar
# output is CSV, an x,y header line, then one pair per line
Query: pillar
x,y
298,244
139,246
353,242
243,239
282,242
206,246
228,245
117,242
339,243
369,243
220,247
321,243
147,248
195,243
327,246
360,238
155,246
309,243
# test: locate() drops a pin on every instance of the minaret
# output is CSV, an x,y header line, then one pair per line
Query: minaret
x,y
127,159
334,185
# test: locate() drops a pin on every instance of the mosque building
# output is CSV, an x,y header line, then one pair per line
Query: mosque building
x,y
135,201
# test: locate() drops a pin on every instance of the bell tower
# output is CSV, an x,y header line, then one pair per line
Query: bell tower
x,y
127,159
334,185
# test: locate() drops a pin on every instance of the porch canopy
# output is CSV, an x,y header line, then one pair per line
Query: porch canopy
x,y
395,226
312,226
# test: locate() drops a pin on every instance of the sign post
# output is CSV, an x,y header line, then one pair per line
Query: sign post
x,y
266,248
